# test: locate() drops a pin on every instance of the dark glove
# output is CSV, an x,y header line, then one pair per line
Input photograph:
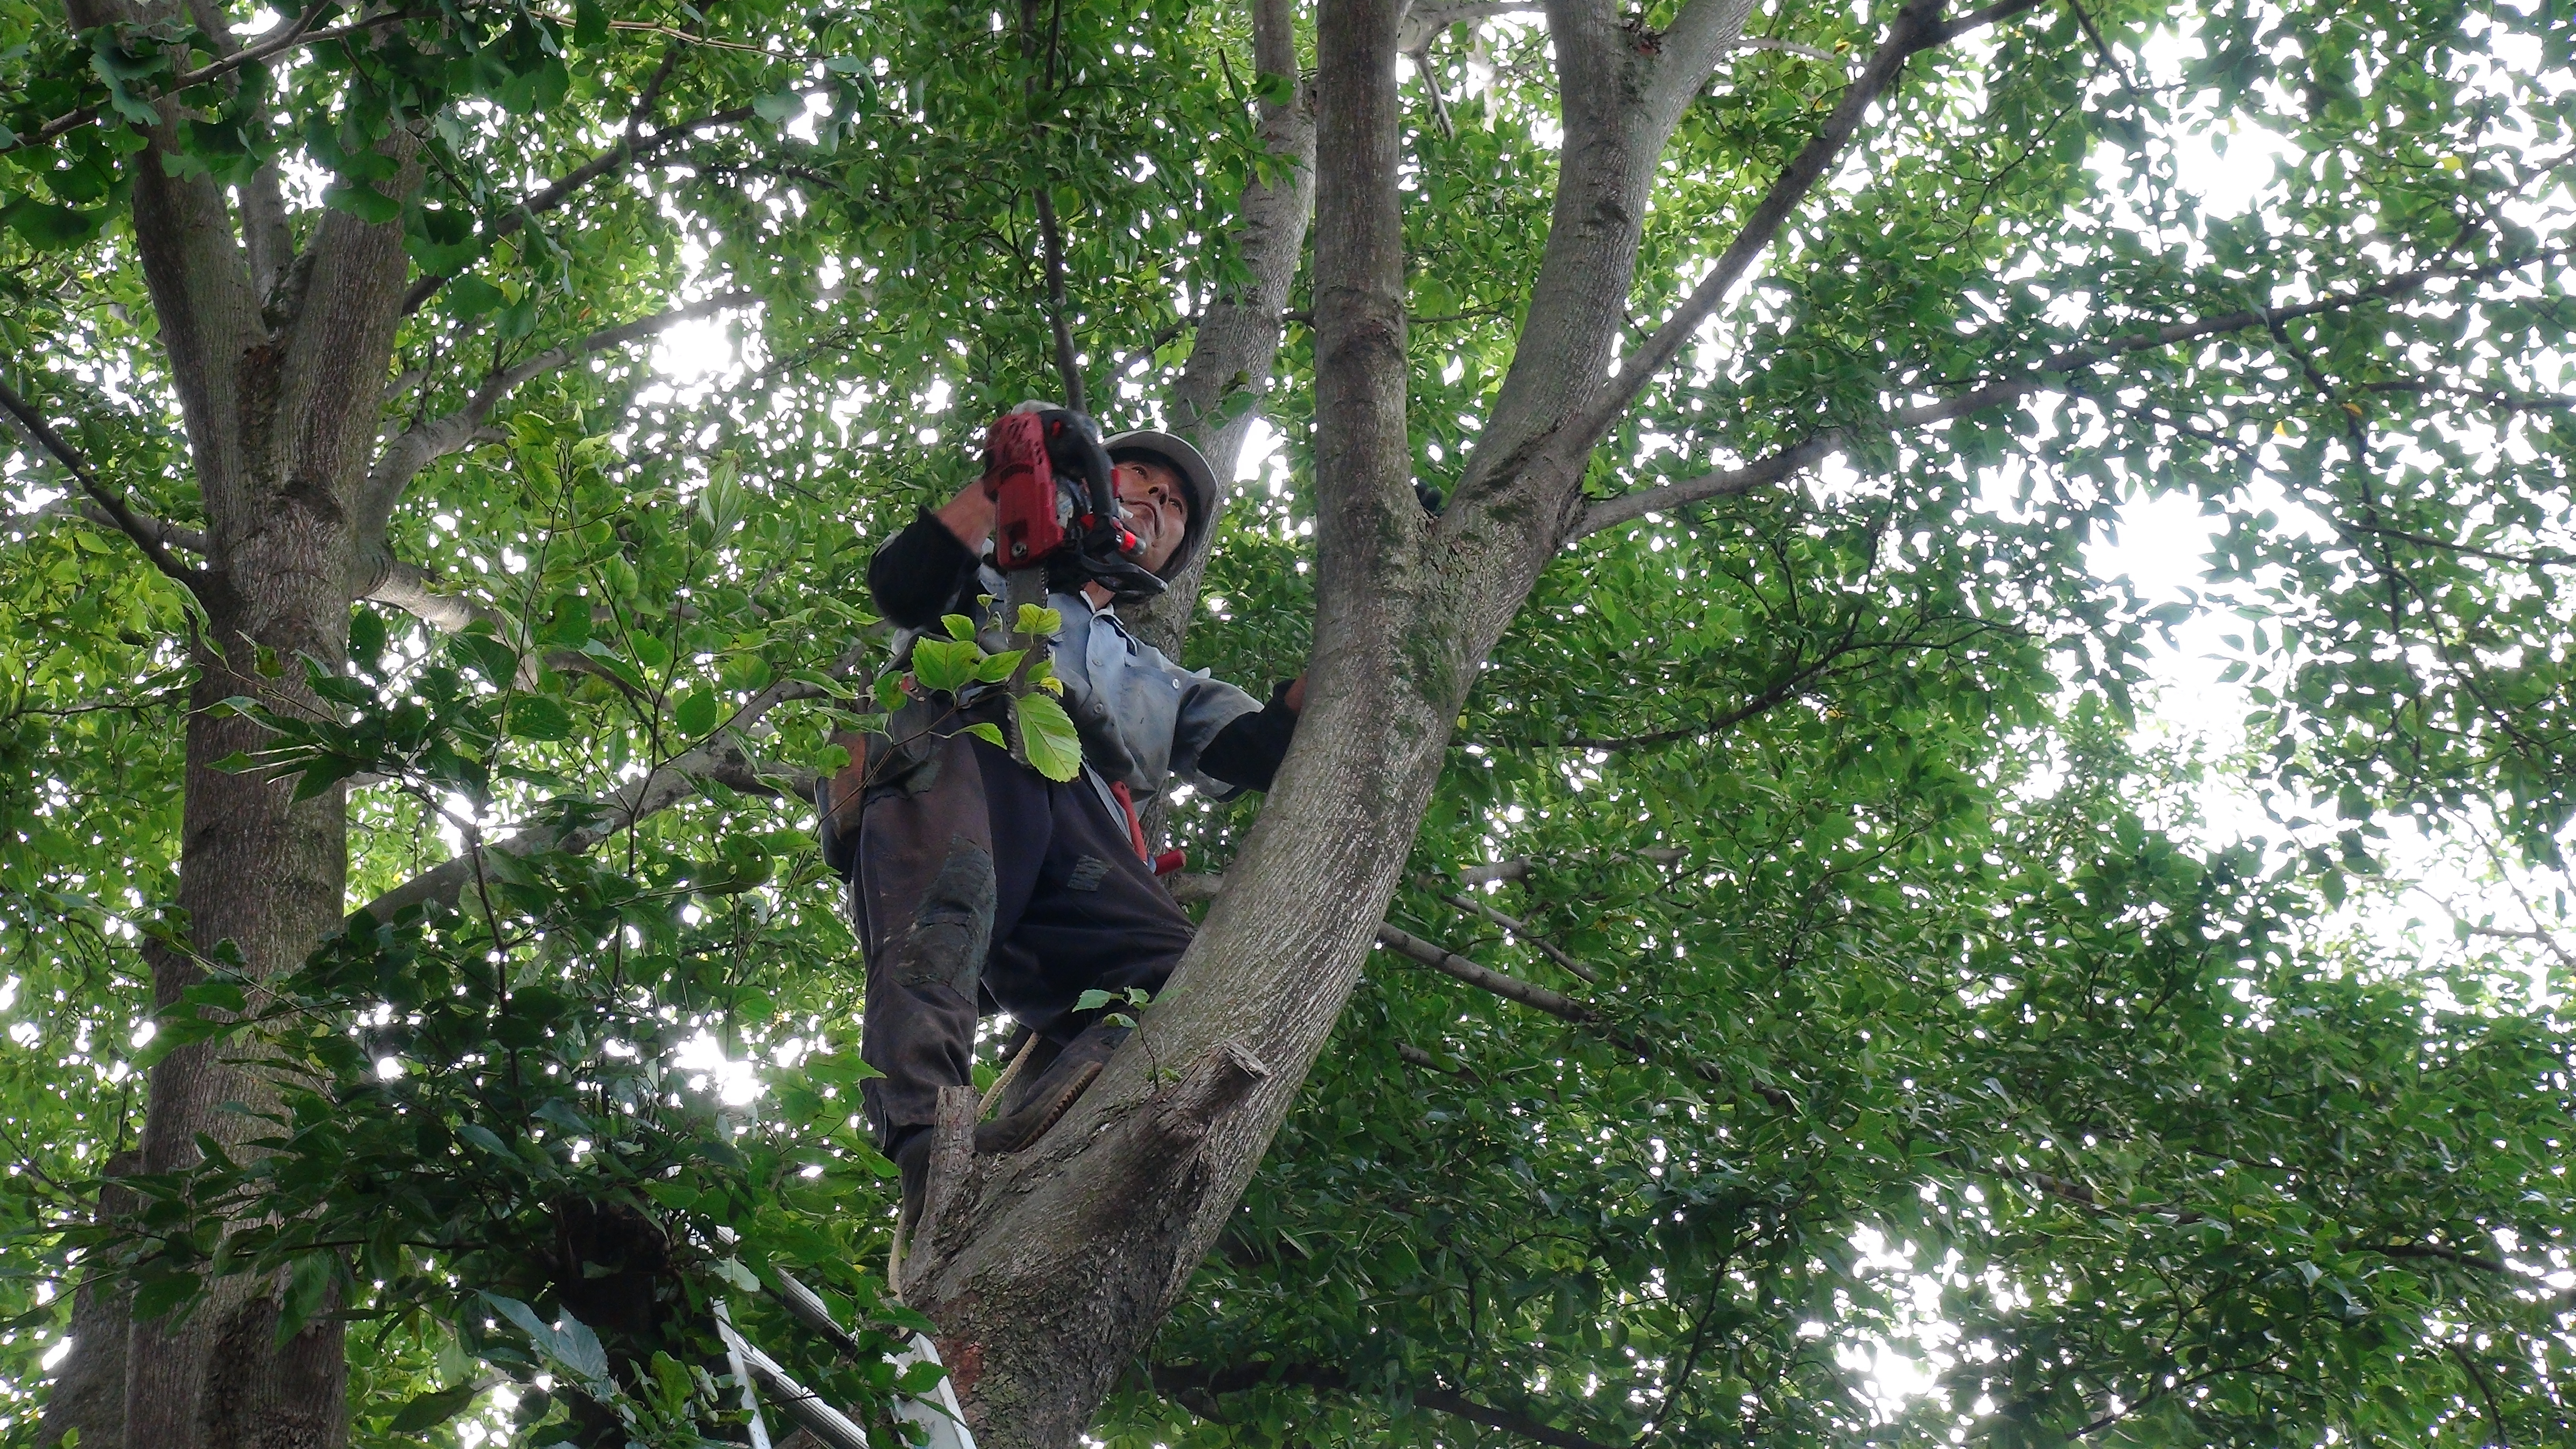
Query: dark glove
x,y
1247,751
920,573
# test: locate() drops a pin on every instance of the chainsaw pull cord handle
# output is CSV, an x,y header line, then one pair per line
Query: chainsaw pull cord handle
x,y
1073,448
1103,549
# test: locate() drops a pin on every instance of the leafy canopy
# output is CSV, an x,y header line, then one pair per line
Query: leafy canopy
x,y
1908,1001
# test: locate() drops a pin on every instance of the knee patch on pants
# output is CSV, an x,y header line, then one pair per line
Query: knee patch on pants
x,y
952,926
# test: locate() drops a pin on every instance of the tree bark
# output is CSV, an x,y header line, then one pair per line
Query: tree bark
x,y
1052,1270
280,406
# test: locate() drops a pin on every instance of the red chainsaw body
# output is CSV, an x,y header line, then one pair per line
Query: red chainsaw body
x,y
1030,511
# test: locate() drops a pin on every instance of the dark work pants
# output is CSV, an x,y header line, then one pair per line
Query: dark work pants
x,y
983,885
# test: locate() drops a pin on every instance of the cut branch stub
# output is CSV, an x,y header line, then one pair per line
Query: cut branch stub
x,y
1024,1280
952,1166
1215,1085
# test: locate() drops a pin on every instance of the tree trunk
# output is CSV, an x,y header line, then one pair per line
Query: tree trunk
x,y
280,398
1048,1273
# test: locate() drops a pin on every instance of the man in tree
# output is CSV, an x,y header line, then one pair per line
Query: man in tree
x,y
979,884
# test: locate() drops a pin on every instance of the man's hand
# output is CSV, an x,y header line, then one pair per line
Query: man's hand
x,y
1295,699
969,516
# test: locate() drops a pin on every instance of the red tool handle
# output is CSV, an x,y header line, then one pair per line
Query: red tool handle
x,y
1027,526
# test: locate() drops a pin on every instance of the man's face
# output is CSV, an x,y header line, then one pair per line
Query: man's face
x,y
1156,509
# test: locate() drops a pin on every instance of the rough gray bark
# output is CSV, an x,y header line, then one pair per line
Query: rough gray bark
x,y
280,405
1050,1270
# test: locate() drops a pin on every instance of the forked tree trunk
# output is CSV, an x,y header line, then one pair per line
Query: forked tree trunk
x,y
278,372
1048,1273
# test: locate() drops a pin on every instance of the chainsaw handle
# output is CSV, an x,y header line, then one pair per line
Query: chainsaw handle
x,y
1073,449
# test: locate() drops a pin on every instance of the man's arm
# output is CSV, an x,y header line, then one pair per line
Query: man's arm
x,y
1247,751
920,573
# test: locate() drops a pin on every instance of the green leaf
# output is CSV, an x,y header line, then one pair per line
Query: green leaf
x,y
958,626
494,660
1095,999
471,297
366,636
432,1409
1043,623
1048,738
535,717
696,713
779,109
308,1284
363,201
589,23
724,501
943,665
47,227
919,1377
580,1350
989,733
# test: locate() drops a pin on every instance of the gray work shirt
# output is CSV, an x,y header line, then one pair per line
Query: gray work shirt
x,y
1162,714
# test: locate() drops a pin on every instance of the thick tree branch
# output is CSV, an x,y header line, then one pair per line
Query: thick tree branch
x,y
580,825
1511,988
2049,373
1068,369
408,587
2486,1393
1562,1007
1806,679
1918,27
1788,47
1194,1387
1193,888
149,535
431,439
1423,24
268,238
1692,46
173,535
1518,928
1521,868
1238,330
2437,1253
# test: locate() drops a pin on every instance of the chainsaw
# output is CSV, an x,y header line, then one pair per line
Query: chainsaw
x,y
1056,525
1056,528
